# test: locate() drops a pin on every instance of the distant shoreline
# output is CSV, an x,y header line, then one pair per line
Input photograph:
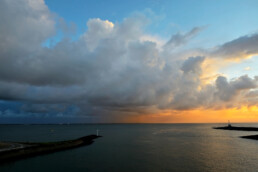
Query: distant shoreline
x,y
229,127
237,128
253,137
11,151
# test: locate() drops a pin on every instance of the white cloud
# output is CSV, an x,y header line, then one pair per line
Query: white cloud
x,y
247,68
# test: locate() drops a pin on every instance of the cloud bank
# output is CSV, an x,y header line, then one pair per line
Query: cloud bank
x,y
111,70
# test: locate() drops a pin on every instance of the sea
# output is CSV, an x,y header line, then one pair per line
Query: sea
x,y
137,148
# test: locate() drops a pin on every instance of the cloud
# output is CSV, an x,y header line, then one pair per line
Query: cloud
x,y
193,65
97,30
247,68
253,94
112,69
228,90
240,48
29,22
180,39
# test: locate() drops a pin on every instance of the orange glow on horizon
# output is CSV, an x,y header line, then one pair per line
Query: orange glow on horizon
x,y
244,114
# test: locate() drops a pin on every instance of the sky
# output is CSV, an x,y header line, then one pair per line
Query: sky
x,y
135,61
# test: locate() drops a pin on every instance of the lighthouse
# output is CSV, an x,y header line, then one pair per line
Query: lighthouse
x,y
229,125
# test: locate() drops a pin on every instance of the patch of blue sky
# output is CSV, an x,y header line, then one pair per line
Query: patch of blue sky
x,y
244,67
225,20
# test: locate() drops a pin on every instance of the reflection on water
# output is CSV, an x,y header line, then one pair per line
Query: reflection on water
x,y
138,147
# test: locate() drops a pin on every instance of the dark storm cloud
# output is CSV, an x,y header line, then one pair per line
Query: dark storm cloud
x,y
108,70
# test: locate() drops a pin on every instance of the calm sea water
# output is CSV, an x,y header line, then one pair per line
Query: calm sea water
x,y
138,147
